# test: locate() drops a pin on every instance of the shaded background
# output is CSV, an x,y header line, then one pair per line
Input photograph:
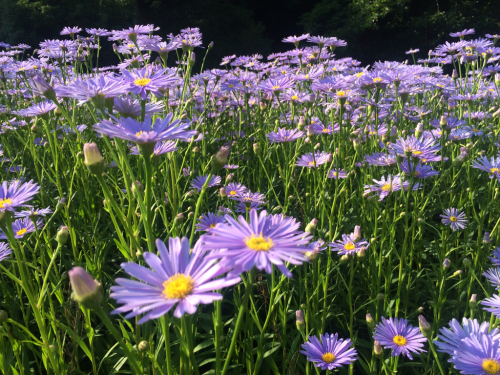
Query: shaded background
x,y
374,29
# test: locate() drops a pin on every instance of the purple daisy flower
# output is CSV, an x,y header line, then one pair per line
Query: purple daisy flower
x,y
39,109
146,79
94,89
337,173
329,352
70,30
491,166
478,355
145,132
160,148
454,218
309,160
493,304
349,244
451,338
21,227
419,171
284,135
199,181
177,277
418,147
381,159
383,187
461,34
264,241
235,190
209,221
249,196
230,166
295,39
495,259
16,194
128,107
493,276
401,337
243,208
34,212
5,251
315,247
276,86
131,32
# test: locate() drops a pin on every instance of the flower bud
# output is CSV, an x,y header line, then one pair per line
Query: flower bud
x,y
195,150
446,263
143,346
329,158
443,122
370,322
229,177
419,130
256,148
302,123
466,262
310,131
223,193
454,74
357,233
93,159
486,237
179,218
394,133
299,320
473,301
425,327
344,258
192,59
377,348
61,204
86,290
210,46
362,252
312,225
62,235
457,273
219,160
44,88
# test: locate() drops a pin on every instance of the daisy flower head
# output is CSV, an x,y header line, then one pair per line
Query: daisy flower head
x,y
478,355
493,305
199,181
5,251
145,132
315,247
383,187
401,337
264,241
34,212
493,276
454,218
209,221
415,147
284,135
16,194
491,166
329,352
235,190
161,148
451,338
495,259
21,227
349,244
146,79
337,173
420,170
177,277
276,86
381,159
311,160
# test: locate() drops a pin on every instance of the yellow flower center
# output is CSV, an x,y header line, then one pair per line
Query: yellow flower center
x,y
139,134
325,130
341,94
328,357
360,74
142,81
259,243
417,152
306,76
295,97
20,232
399,340
232,192
312,164
8,202
230,85
349,246
178,286
453,218
491,366
377,80
492,170
212,225
386,187
277,87
416,173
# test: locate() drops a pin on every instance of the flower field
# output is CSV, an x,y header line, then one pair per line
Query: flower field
x,y
290,214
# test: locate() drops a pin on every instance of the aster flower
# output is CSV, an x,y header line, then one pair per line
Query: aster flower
x,y
235,190
34,212
295,39
249,196
337,173
161,148
491,166
21,227
451,338
325,130
244,207
495,259
209,221
178,277
329,352
381,159
128,107
264,241
199,181
349,244
383,187
454,218
420,170
284,135
461,34
493,276
131,32
309,160
478,355
70,30
231,166
16,194
416,147
276,85
146,79
94,89
37,109
145,132
401,337
493,305
5,251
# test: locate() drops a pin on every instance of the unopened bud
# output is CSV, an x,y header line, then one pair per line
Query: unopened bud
x,y
179,218
377,348
344,258
419,130
362,252
424,326
61,204
86,290
223,193
370,322
473,301
256,148
143,346
302,123
219,160
466,262
486,237
357,233
310,131
93,159
62,235
443,122
312,225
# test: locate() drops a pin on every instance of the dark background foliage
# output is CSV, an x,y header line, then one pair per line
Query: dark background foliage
x,y
374,29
